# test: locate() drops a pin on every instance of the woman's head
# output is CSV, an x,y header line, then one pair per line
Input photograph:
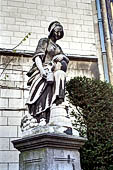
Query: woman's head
x,y
56,30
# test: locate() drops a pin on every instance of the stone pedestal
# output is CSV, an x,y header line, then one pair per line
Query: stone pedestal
x,y
49,151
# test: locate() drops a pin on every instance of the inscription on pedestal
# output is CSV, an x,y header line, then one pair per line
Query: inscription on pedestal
x,y
65,163
33,164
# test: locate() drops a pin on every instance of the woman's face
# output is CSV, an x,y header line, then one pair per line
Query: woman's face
x,y
58,32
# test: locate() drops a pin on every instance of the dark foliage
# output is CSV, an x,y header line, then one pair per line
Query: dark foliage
x,y
95,98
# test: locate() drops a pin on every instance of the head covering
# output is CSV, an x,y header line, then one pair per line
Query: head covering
x,y
53,25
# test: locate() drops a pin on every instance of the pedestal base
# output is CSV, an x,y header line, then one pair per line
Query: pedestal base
x,y
49,152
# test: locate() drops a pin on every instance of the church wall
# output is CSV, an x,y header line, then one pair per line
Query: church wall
x,y
18,18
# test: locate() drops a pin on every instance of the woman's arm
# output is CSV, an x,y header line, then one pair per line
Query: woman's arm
x,y
60,57
40,67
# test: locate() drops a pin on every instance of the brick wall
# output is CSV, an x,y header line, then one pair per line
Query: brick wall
x,y
20,17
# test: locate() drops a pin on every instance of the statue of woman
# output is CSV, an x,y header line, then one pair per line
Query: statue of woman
x,y
47,76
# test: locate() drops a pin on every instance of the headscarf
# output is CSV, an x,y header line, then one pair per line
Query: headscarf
x,y
52,26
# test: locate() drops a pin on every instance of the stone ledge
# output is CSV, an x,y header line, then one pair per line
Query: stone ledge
x,y
29,54
49,140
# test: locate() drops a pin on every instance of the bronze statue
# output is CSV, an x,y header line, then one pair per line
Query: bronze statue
x,y
47,76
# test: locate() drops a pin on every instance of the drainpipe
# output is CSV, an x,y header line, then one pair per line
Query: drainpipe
x,y
101,32
107,40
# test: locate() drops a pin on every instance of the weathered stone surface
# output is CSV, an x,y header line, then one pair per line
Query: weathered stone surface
x,y
9,156
4,166
51,159
13,166
59,116
55,129
49,152
3,121
59,123
48,140
8,131
4,144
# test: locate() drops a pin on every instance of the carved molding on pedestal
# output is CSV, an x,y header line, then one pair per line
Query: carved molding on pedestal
x,y
49,140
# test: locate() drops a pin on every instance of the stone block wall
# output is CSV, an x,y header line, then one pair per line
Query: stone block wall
x,y
23,16
13,94
88,68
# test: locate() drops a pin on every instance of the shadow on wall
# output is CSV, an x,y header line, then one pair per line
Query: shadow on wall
x,y
95,71
83,68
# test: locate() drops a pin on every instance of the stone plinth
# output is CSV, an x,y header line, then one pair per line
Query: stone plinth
x,y
59,123
59,116
49,152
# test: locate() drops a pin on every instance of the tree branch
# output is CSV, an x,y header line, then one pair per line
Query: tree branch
x,y
13,49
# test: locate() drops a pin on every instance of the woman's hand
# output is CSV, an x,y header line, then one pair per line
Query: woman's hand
x,y
58,58
43,73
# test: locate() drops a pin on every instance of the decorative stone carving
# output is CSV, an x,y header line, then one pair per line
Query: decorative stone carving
x,y
28,122
60,123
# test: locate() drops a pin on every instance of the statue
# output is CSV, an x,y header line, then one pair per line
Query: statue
x,y
47,79
47,76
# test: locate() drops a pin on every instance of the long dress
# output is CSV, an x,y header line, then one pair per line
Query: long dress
x,y
44,92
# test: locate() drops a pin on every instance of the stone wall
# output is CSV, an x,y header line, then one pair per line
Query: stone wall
x,y
12,95
23,16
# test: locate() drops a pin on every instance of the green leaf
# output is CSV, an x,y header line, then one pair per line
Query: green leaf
x,y
14,51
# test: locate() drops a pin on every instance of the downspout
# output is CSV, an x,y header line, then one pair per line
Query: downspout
x,y
101,32
107,40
